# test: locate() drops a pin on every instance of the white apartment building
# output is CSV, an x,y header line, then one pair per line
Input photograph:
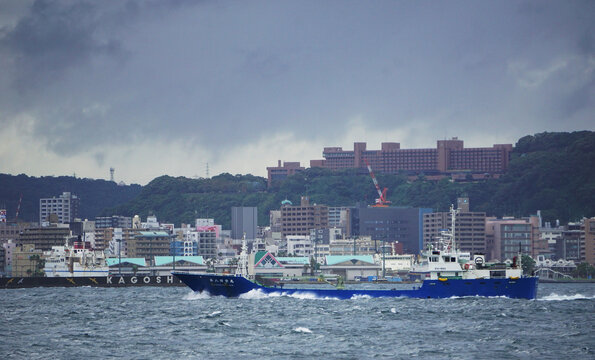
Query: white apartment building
x,y
65,207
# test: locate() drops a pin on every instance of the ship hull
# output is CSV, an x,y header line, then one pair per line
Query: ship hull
x,y
234,286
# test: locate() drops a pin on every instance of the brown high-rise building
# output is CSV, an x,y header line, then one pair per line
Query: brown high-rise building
x,y
470,234
43,238
299,220
149,244
449,157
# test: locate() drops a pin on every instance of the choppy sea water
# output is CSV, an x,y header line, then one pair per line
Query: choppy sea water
x,y
174,323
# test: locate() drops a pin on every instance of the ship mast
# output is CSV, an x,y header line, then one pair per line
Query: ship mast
x,y
242,269
453,216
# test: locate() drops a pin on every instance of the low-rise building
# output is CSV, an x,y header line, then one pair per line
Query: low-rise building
x,y
351,267
299,245
27,261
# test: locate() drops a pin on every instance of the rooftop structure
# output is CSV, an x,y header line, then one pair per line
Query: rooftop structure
x,y
281,172
449,157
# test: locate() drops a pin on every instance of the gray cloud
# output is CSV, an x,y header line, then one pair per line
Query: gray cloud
x,y
221,75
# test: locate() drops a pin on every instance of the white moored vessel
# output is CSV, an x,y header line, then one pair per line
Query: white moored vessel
x,y
75,261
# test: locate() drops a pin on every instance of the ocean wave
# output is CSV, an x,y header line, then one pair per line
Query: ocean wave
x,y
557,297
214,314
302,295
302,330
360,297
197,295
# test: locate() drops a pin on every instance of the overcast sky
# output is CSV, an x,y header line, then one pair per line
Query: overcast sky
x,y
165,87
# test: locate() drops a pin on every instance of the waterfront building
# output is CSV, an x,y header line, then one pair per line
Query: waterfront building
x,y
127,266
359,245
590,240
114,240
151,223
114,221
275,221
351,267
65,207
207,241
508,236
8,247
299,220
337,216
469,228
552,236
449,157
389,224
244,220
26,261
12,230
148,244
396,263
2,261
299,245
43,238
263,263
276,173
573,240
165,264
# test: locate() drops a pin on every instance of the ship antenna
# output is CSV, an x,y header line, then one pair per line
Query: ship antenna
x,y
242,269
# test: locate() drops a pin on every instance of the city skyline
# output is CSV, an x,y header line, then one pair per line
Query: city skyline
x,y
154,88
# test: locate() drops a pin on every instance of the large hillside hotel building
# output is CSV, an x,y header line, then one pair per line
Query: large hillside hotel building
x,y
448,158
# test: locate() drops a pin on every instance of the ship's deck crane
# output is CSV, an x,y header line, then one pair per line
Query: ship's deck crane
x,y
381,201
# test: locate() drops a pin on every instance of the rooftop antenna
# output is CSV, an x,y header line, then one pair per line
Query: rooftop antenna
x,y
111,174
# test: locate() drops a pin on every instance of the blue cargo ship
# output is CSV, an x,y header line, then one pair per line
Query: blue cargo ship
x,y
234,286
445,271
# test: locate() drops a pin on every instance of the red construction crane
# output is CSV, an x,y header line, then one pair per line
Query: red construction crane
x,y
381,201
18,208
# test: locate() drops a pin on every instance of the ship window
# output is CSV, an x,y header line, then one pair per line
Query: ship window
x,y
498,274
453,259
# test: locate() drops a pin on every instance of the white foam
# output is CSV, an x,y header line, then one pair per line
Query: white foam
x,y
197,295
302,330
360,297
214,313
556,297
393,310
254,294
302,295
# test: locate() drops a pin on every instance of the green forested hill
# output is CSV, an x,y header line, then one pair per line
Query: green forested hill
x,y
551,172
95,195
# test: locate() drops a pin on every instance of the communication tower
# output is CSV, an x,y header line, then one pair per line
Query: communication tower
x,y
111,174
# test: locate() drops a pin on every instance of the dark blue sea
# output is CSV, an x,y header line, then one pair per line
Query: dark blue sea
x,y
174,323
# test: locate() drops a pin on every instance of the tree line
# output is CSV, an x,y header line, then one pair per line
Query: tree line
x,y
551,172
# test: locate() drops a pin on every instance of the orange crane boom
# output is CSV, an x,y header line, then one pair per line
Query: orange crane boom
x,y
381,201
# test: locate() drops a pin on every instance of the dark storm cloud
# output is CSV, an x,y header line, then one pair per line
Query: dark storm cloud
x,y
52,38
221,74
